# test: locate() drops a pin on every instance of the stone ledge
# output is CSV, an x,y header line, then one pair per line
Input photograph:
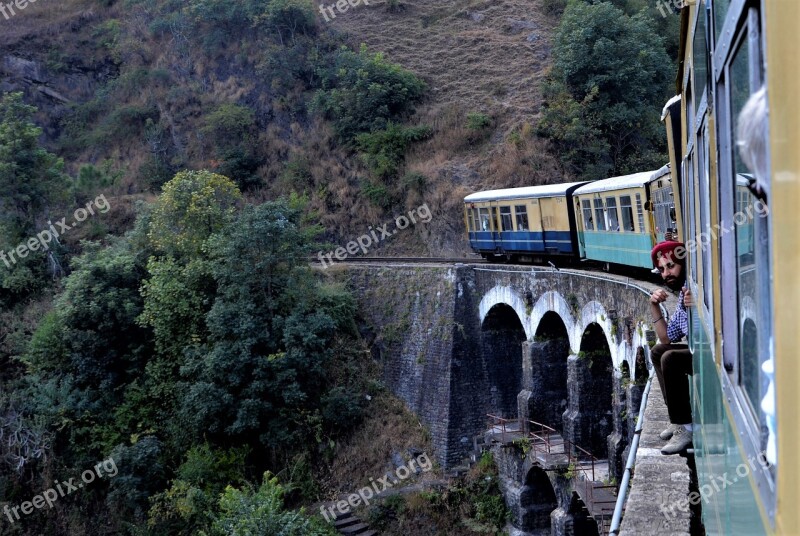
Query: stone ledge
x,y
658,497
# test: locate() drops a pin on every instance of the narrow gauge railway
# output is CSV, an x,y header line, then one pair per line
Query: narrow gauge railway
x,y
733,132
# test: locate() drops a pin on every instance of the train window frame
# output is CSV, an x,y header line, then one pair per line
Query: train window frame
x,y
623,205
485,220
743,27
470,223
640,212
588,221
701,78
611,209
599,214
506,221
704,215
521,213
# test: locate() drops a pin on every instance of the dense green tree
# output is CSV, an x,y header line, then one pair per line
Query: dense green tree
x,y
362,92
30,177
261,374
193,206
610,80
290,18
31,180
246,512
104,347
188,505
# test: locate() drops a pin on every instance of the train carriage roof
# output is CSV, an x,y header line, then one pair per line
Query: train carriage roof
x,y
619,183
527,192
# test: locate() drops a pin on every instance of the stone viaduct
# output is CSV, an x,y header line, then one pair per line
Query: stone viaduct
x,y
566,348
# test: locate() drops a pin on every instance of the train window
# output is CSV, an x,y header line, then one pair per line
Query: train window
x,y
476,221
720,8
640,212
495,221
505,219
700,57
751,299
627,213
704,238
588,222
484,213
661,206
599,215
691,215
613,217
470,225
521,212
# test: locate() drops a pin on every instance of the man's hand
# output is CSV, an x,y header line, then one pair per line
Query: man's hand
x,y
687,297
658,296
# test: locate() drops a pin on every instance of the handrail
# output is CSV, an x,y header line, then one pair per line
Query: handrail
x,y
616,521
542,442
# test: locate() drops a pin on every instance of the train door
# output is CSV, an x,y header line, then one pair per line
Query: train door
x,y
580,226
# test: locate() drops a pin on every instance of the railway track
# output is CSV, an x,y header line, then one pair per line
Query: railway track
x,y
406,260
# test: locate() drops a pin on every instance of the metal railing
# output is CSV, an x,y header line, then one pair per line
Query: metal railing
x,y
546,440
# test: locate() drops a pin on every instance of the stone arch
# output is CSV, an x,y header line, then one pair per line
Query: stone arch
x,y
579,519
502,335
537,500
552,301
625,371
594,313
595,372
502,294
640,369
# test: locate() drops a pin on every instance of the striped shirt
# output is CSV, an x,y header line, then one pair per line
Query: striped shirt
x,y
678,326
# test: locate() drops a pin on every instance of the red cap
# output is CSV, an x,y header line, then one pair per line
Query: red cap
x,y
667,249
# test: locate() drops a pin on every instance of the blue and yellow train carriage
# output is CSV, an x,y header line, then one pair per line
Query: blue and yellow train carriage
x,y
524,224
621,218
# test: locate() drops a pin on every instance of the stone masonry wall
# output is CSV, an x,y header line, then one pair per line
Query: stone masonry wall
x,y
424,324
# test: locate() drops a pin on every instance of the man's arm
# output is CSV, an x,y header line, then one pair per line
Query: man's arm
x,y
657,319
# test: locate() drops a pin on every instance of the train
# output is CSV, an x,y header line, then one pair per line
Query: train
x,y
737,76
615,221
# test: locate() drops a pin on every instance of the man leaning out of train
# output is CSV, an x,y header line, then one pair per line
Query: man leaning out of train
x,y
671,358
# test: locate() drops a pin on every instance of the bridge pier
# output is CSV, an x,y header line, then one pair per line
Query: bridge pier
x,y
620,437
544,381
576,426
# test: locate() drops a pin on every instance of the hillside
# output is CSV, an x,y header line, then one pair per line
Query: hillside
x,y
479,57
99,73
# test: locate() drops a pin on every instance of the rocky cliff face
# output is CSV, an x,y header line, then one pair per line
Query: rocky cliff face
x,y
51,92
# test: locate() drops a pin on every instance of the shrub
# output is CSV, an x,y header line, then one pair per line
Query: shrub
x,y
478,121
413,180
384,150
362,92
246,512
290,17
378,194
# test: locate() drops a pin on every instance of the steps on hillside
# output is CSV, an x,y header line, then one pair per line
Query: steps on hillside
x,y
350,525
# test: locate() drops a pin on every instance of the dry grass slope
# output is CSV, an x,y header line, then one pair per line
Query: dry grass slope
x,y
481,56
